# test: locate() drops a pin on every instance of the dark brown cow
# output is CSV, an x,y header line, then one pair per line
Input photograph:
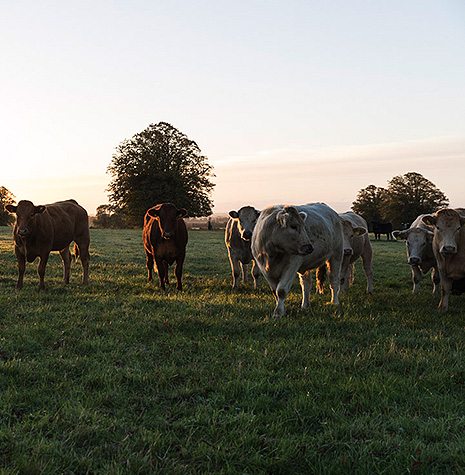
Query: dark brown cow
x,y
165,240
39,230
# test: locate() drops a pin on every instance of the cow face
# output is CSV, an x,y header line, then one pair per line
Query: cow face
x,y
167,216
447,226
418,241
351,232
292,236
247,218
26,214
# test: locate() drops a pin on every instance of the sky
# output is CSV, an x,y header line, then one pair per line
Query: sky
x,y
292,102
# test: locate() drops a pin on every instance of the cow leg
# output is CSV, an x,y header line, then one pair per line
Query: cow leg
x,y
305,284
178,273
66,258
334,267
446,287
255,274
161,272
149,264
244,273
84,254
282,289
367,261
21,258
416,277
320,279
166,266
41,270
345,275
436,280
235,268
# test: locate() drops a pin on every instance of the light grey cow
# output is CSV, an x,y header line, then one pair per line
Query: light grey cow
x,y
290,240
419,242
237,238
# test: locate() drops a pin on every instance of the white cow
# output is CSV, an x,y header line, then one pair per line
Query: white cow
x,y
356,244
297,239
237,237
419,242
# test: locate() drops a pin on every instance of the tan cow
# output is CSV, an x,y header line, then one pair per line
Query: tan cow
x,y
39,230
237,238
356,244
448,248
419,242
290,240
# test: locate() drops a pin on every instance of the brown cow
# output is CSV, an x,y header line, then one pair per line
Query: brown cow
x,y
448,248
237,237
165,240
39,230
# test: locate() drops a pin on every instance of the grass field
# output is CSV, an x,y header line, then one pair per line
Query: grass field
x,y
118,377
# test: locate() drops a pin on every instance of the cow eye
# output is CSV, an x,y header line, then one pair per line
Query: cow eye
x,y
294,227
32,215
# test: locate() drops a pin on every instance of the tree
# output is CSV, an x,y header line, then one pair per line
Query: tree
x,y
368,203
106,218
159,164
410,195
6,198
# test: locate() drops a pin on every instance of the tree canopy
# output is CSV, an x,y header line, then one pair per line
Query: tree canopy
x,y
6,198
406,197
159,164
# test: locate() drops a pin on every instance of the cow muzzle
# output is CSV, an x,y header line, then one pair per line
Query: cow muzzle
x,y
167,235
305,250
448,250
247,235
348,252
23,232
414,261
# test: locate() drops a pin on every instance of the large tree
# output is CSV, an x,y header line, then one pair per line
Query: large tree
x,y
410,195
368,203
160,164
6,198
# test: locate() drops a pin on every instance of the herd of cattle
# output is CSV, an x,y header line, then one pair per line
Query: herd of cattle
x,y
279,241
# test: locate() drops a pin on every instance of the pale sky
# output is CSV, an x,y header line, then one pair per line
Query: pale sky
x,y
292,101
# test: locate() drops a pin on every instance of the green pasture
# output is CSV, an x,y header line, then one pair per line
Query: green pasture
x,y
121,378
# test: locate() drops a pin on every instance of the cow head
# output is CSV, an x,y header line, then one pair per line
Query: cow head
x,y
418,241
26,214
350,232
247,218
293,237
167,215
447,226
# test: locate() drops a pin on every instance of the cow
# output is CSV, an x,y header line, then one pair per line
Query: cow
x,y
356,244
165,241
39,230
297,239
381,228
237,237
448,248
419,243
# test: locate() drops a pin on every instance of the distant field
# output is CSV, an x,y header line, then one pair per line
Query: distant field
x,y
119,377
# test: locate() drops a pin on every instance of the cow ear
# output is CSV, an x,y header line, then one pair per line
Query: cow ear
x,y
234,214
359,231
153,212
182,213
429,220
39,209
11,208
399,235
303,215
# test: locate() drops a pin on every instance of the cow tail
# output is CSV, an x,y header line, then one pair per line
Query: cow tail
x,y
320,278
76,252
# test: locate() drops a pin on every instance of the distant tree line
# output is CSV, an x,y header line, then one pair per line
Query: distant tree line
x,y
6,198
406,197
